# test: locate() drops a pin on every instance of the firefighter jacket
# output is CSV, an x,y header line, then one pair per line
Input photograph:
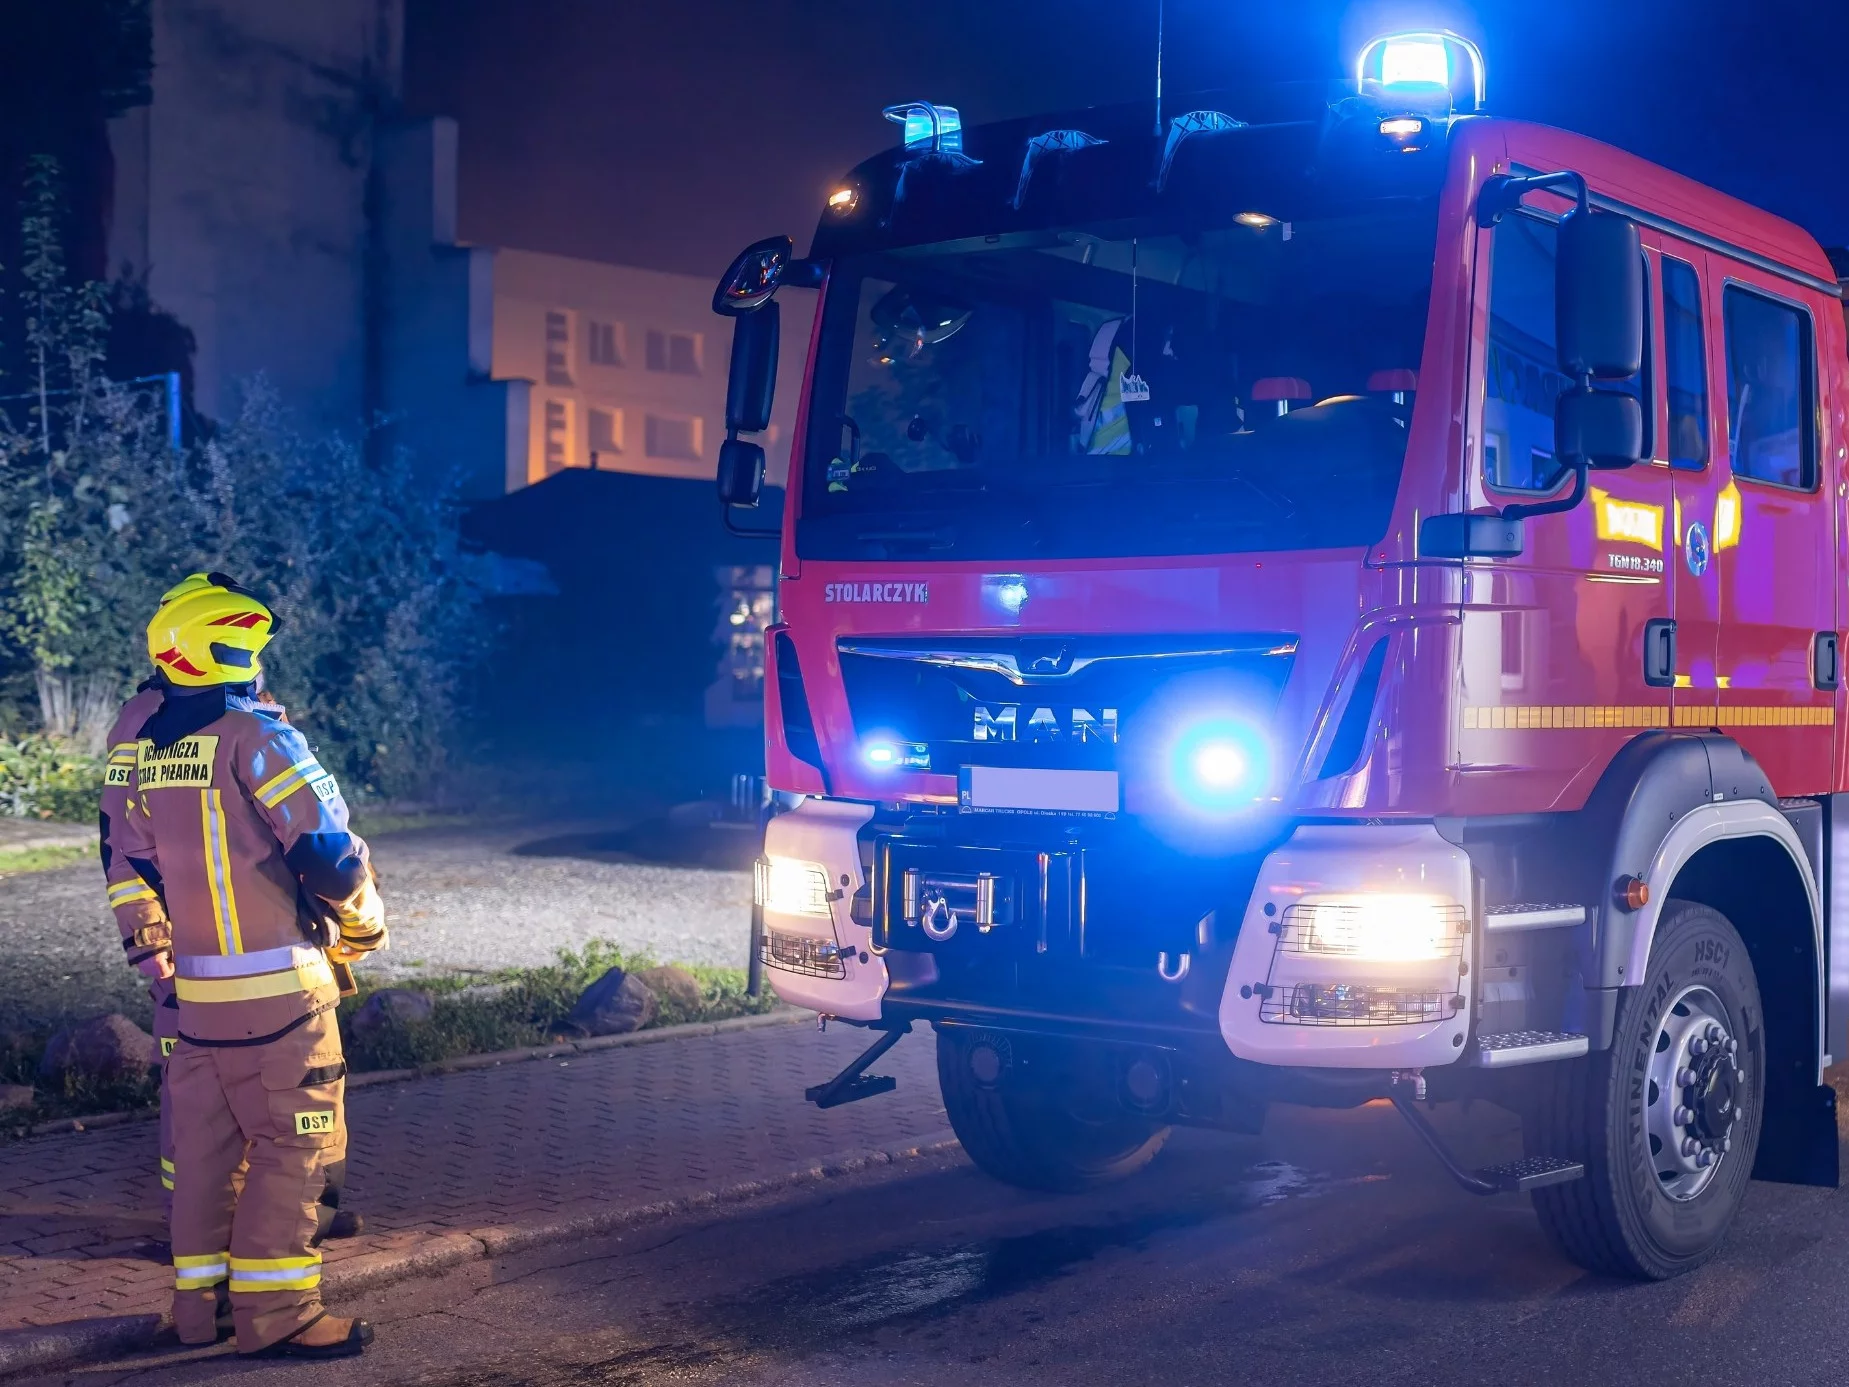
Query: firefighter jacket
x,y
235,823
136,907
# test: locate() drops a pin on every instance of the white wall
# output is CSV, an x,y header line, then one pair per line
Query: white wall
x,y
586,305
240,192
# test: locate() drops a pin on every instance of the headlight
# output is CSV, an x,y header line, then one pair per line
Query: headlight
x,y
1383,929
789,886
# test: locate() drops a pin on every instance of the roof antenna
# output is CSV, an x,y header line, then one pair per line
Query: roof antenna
x,y
1159,69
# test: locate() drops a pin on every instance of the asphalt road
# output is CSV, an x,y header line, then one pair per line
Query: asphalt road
x,y
1330,1250
469,898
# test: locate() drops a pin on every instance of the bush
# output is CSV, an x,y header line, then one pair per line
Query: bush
x,y
100,514
45,777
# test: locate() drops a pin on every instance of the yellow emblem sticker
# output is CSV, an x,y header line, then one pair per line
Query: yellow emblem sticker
x,y
167,1045
186,765
311,1123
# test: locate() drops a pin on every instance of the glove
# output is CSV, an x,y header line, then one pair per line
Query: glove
x,y
154,932
362,924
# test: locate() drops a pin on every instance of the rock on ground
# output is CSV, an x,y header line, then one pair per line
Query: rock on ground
x,y
104,1047
673,985
391,1006
616,1004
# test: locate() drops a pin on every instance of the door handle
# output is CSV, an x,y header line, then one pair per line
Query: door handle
x,y
1660,653
1826,668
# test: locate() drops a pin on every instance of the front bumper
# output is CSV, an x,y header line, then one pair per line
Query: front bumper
x,y
1278,1004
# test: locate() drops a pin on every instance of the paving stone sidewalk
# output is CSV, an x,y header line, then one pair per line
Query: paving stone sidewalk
x,y
449,1166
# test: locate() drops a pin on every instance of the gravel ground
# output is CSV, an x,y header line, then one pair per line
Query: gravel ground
x,y
456,898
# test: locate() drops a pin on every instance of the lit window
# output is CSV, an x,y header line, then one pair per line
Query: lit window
x,y
676,353
605,343
675,440
558,347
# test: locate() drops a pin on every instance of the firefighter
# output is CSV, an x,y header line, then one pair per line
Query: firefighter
x,y
243,835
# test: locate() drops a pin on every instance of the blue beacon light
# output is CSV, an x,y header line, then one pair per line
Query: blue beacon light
x,y
1422,65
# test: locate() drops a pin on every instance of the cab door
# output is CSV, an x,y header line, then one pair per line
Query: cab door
x,y
1554,643
1772,538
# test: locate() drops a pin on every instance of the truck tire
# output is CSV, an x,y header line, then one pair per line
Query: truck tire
x,y
1013,1119
1667,1121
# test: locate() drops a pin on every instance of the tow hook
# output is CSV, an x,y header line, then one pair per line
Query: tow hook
x,y
1529,1173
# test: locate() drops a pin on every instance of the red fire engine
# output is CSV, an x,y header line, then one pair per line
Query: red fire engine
x,y
1312,598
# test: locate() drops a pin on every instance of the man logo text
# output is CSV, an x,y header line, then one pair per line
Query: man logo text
x,y
1010,722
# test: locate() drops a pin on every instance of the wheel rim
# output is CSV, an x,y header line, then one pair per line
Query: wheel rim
x,y
1693,1103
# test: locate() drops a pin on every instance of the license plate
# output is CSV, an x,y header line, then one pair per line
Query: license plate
x,y
1021,790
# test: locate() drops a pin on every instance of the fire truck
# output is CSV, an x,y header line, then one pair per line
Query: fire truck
x,y
1316,595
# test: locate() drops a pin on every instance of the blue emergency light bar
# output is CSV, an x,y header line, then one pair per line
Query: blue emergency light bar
x,y
1424,64
928,126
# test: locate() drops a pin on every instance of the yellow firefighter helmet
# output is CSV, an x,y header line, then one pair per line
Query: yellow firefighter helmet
x,y
209,630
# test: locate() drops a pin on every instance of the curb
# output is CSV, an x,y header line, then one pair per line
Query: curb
x,y
78,1341
56,1346
783,1016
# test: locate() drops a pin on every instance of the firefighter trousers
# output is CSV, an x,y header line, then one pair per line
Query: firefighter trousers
x,y
278,1107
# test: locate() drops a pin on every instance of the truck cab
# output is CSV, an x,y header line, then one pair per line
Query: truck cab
x,y
1328,595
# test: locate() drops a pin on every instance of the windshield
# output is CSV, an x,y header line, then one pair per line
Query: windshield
x,y
1119,390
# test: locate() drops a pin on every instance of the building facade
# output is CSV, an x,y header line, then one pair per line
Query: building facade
x,y
273,200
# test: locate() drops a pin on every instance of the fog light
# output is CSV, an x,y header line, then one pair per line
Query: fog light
x,y
894,756
789,886
1337,1004
1220,765
1382,929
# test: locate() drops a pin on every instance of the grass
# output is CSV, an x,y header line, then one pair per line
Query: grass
x,y
15,861
527,1006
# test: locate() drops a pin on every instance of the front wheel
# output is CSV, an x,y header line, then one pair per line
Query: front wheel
x,y
1667,1121
1025,1120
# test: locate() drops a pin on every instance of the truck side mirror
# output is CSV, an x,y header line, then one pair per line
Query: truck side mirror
x,y
1603,427
752,385
1599,296
752,278
741,472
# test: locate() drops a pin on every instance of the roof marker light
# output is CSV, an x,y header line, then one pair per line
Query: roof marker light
x,y
843,199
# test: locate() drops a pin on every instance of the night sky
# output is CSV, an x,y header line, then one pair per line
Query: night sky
x,y
668,133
